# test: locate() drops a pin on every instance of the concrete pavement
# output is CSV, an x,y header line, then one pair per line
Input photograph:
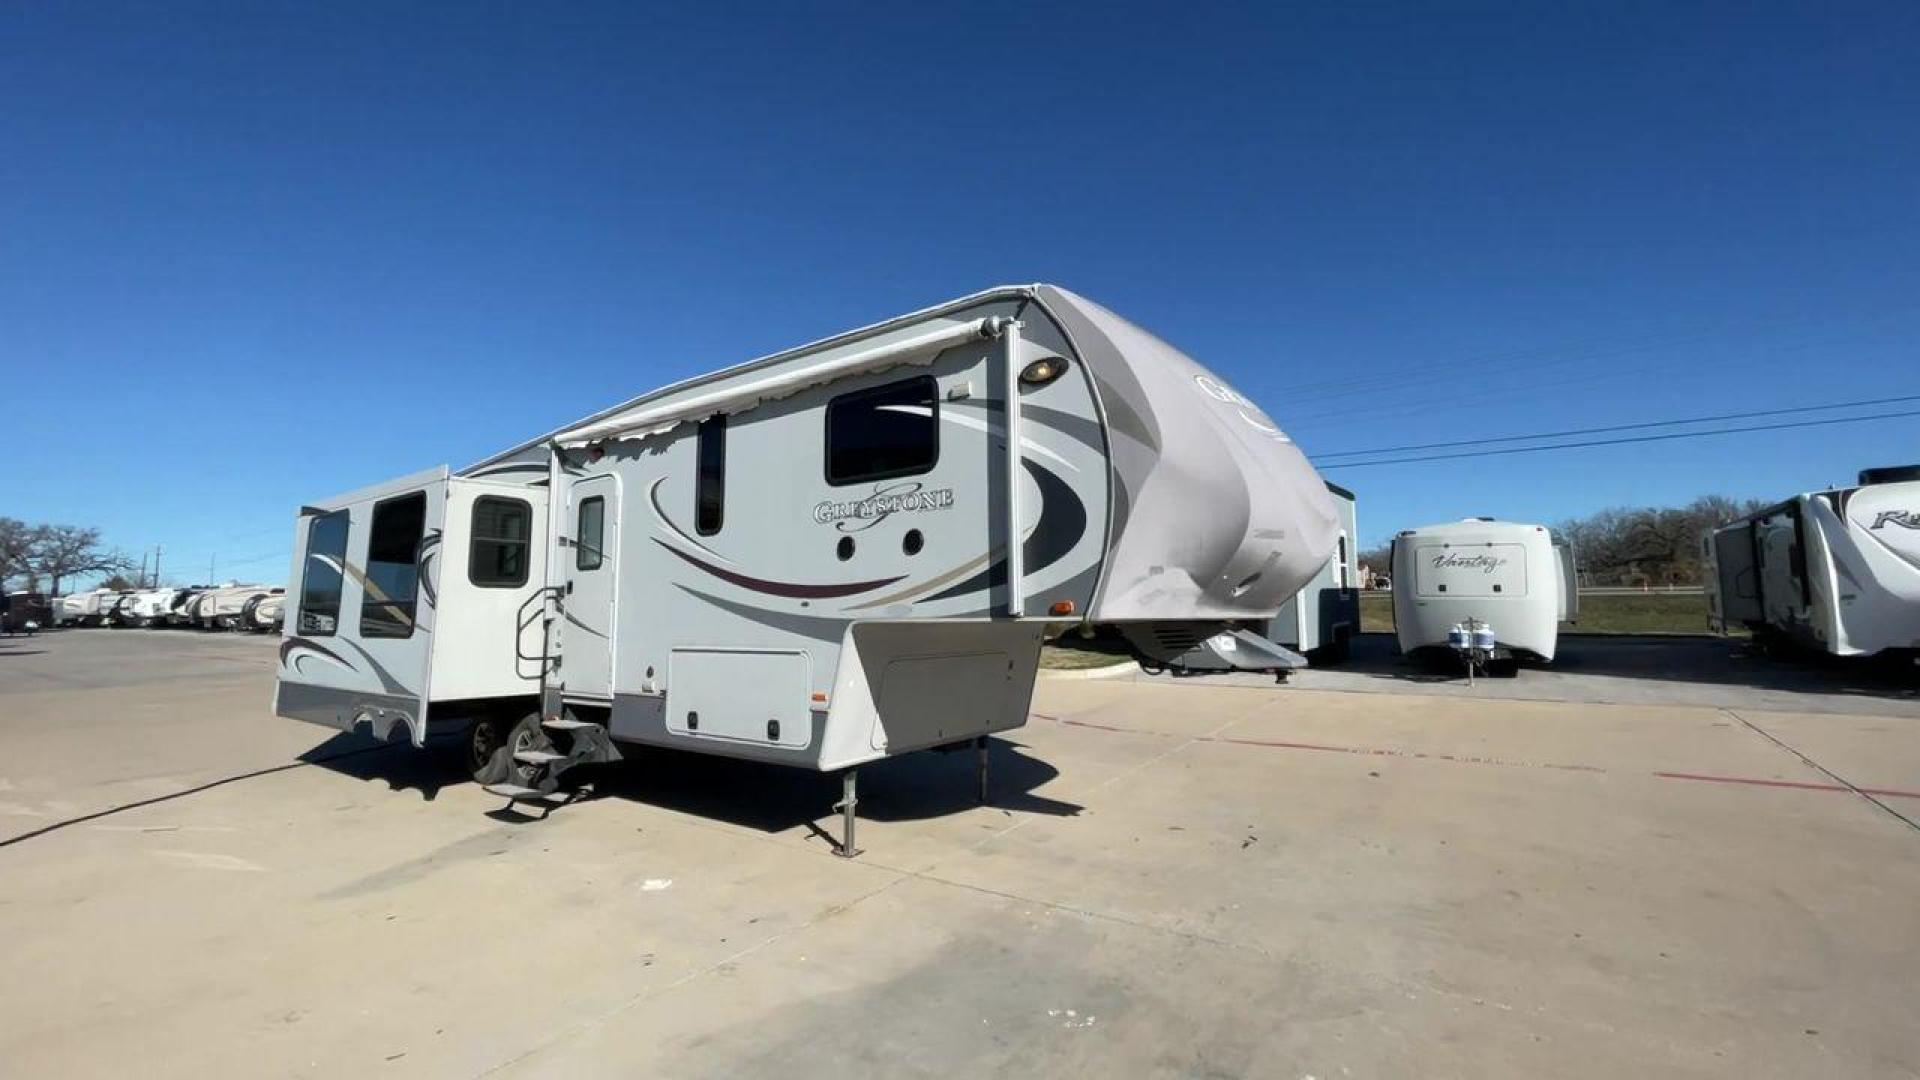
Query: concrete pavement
x,y
1172,879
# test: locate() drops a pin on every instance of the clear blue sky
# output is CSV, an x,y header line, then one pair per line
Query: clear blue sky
x,y
252,254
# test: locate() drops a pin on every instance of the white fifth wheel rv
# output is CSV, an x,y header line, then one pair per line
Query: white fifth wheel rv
x,y
1510,577
85,608
149,606
1316,625
1837,571
805,559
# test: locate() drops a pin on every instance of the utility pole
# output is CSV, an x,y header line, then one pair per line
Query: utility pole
x,y
141,581
158,550
210,560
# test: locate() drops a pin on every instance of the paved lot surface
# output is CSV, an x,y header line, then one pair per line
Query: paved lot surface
x,y
1190,878
1624,669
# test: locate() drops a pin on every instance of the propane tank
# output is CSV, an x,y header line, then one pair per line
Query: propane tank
x,y
1483,638
1457,637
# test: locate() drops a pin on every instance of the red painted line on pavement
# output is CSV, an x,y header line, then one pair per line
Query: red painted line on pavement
x,y
1799,784
1459,759
1279,744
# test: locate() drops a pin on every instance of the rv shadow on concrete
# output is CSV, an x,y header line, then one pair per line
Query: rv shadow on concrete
x,y
395,763
773,798
769,798
1676,658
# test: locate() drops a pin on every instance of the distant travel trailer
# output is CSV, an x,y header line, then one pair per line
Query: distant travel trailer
x,y
24,612
89,608
229,607
148,607
822,558
1316,625
1510,577
1837,571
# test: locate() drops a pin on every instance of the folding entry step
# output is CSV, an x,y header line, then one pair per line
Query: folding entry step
x,y
538,757
517,793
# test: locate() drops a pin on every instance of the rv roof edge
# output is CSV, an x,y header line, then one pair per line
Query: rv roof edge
x,y
833,341
371,491
921,347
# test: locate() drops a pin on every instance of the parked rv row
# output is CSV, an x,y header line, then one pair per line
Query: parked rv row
x,y
257,608
1835,571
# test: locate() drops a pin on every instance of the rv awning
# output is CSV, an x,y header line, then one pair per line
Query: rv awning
x,y
778,382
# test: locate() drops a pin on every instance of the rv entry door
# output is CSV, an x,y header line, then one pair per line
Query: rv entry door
x,y
593,572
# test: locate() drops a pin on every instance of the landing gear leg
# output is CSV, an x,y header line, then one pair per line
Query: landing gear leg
x,y
849,802
980,768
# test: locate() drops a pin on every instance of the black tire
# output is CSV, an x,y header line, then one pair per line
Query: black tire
x,y
491,745
486,750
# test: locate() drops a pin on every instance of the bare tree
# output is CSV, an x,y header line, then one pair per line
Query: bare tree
x,y
67,550
16,549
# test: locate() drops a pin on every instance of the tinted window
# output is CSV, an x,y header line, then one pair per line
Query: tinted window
x,y
319,577
710,487
502,531
881,433
393,571
590,534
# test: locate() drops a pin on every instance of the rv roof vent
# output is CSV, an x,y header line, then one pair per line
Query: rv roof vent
x,y
1890,474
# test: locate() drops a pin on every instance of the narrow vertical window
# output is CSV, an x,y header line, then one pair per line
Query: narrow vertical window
x,y
320,576
393,567
590,533
710,483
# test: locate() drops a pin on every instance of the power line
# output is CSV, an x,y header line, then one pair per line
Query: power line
x,y
1618,442
1616,427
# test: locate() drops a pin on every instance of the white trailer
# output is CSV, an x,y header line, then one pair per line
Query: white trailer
x,y
821,558
149,607
1509,576
1837,571
85,608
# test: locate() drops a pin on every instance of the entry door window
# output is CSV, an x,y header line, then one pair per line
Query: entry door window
x,y
590,534
320,576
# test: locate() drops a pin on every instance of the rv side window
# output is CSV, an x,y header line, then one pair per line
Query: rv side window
x,y
710,488
883,432
319,576
502,530
588,537
393,571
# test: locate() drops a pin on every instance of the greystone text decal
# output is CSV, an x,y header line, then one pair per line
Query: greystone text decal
x,y
858,515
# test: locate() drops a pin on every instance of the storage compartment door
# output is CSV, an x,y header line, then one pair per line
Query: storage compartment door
x,y
757,696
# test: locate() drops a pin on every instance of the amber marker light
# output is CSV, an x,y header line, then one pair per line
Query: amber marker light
x,y
1043,371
